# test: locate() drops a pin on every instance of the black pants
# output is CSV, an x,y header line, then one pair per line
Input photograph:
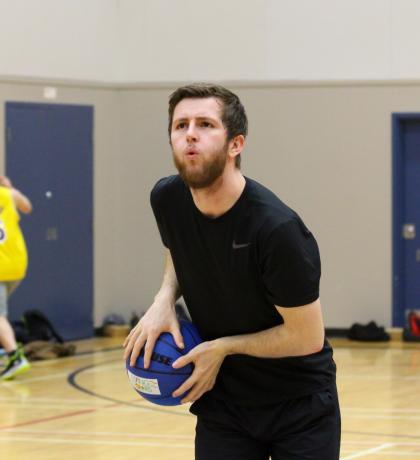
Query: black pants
x,y
307,428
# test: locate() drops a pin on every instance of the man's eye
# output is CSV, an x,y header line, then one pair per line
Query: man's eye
x,y
206,124
181,125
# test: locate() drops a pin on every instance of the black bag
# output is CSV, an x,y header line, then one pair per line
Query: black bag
x,y
20,331
370,332
36,326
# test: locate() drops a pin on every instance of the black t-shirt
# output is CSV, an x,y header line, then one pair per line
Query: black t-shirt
x,y
232,271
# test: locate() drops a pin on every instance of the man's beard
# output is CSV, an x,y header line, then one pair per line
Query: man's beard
x,y
209,171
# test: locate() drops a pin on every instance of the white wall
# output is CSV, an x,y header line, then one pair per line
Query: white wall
x,y
61,39
182,40
328,39
172,40
193,40
405,43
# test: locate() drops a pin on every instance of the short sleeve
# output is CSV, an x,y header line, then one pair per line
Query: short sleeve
x,y
290,265
156,203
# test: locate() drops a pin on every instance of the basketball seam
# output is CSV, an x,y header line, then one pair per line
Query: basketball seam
x,y
158,372
191,335
179,350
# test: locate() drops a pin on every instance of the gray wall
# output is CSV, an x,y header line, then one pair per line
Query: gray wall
x,y
325,149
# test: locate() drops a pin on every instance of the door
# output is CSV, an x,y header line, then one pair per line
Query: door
x,y
49,156
406,216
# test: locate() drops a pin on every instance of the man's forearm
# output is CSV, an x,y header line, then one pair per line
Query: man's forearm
x,y
169,289
302,335
160,317
271,343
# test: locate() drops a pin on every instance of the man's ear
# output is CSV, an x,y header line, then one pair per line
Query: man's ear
x,y
236,145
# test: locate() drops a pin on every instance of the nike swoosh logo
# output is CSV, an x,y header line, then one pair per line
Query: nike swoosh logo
x,y
239,246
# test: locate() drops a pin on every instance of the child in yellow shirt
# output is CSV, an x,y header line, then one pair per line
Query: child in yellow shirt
x,y
13,264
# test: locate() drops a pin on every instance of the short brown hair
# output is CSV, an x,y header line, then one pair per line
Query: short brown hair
x,y
233,112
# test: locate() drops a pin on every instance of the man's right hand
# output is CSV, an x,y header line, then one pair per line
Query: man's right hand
x,y
159,318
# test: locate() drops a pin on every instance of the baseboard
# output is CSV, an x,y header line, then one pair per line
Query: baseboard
x,y
331,332
336,332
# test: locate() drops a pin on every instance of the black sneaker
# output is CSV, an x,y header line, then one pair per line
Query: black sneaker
x,y
16,365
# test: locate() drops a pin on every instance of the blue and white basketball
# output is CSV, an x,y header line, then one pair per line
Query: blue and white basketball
x,y
160,380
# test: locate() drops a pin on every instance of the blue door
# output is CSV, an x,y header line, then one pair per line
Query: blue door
x,y
406,215
49,156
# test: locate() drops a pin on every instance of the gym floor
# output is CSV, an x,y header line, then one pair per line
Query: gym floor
x,y
84,406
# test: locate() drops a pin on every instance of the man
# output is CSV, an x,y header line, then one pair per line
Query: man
x,y
248,268
13,264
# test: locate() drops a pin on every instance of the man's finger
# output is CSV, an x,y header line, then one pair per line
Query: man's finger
x,y
136,349
197,391
179,340
128,347
136,331
192,396
128,337
187,385
182,361
130,344
148,350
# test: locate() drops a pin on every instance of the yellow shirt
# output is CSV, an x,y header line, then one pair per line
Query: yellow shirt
x,y
13,254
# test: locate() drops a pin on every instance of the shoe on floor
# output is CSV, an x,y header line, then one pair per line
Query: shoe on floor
x,y
18,364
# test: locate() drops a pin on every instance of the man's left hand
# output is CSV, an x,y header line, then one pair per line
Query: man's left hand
x,y
207,358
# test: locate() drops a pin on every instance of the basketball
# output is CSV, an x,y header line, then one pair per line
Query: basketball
x,y
160,380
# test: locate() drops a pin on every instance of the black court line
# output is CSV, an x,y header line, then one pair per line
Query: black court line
x,y
71,379
99,350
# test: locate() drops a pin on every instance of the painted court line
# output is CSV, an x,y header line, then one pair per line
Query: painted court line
x,y
41,400
385,410
101,442
30,406
56,417
387,378
94,370
390,454
403,454
171,445
137,434
374,443
61,402
382,417
40,379
381,435
72,414
100,434
81,355
363,453
48,419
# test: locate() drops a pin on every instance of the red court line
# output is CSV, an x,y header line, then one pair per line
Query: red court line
x,y
56,417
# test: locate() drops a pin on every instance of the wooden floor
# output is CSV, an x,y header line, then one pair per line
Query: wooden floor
x,y
83,407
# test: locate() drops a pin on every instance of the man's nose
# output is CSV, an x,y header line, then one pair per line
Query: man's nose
x,y
191,133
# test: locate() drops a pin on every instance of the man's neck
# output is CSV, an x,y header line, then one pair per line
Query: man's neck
x,y
217,199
